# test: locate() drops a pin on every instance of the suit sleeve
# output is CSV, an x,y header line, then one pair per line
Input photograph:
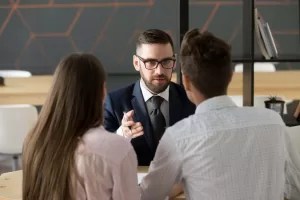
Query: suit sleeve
x,y
111,123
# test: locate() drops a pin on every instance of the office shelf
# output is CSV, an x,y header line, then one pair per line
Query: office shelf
x,y
249,57
281,58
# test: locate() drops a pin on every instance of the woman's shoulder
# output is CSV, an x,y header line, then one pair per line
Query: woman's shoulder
x,y
105,144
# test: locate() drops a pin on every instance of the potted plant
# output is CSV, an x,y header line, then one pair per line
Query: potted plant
x,y
275,104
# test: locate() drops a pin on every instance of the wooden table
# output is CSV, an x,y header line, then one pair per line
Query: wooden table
x,y
280,83
11,185
33,90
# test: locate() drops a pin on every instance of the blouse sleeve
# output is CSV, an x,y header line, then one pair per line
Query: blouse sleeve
x,y
125,179
95,178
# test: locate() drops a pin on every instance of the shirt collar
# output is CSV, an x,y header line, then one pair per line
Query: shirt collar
x,y
147,94
215,103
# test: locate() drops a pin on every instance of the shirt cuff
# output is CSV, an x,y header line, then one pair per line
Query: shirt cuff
x,y
120,133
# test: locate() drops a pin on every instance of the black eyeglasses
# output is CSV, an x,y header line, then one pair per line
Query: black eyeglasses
x,y
150,64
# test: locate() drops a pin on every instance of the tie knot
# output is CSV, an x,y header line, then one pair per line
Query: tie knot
x,y
156,101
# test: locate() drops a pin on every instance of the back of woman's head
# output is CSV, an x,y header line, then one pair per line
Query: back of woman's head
x,y
74,105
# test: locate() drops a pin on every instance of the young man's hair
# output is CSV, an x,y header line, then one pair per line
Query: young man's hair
x,y
154,36
206,60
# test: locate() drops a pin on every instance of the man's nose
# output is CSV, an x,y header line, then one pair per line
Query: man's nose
x,y
159,69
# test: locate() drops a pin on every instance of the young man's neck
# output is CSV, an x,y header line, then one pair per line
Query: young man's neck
x,y
198,98
199,101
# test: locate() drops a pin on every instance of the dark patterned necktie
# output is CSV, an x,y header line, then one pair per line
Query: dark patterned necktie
x,y
157,119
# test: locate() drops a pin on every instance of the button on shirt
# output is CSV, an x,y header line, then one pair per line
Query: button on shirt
x,y
223,152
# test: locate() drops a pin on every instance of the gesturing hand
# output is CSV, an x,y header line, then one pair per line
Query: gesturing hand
x,y
130,128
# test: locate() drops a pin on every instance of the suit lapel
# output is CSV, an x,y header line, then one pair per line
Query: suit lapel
x,y
175,106
141,113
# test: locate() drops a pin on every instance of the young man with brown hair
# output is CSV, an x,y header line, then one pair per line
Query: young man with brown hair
x,y
223,151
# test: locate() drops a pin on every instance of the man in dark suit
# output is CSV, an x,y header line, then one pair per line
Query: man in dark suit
x,y
142,110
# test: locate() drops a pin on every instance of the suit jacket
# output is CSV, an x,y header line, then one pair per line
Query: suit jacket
x,y
131,97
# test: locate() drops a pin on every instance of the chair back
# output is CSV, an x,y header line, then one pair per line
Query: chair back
x,y
258,67
15,123
15,74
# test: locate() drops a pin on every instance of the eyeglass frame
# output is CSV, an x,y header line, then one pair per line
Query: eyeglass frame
x,y
173,58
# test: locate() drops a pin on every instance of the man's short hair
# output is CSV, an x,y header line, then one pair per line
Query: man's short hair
x,y
154,36
206,60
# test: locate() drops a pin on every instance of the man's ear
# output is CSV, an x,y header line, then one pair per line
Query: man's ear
x,y
175,61
136,61
104,91
186,82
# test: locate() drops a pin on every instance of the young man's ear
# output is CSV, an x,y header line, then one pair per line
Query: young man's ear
x,y
186,82
136,61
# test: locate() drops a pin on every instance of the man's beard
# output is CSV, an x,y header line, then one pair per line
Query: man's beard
x,y
156,89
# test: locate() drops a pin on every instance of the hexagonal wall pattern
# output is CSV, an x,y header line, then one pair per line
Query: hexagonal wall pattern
x,y
36,34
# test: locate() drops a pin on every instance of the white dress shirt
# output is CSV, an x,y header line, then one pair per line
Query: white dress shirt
x,y
147,96
105,172
223,152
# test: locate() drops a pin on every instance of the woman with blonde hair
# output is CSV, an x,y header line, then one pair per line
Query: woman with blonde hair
x,y
68,155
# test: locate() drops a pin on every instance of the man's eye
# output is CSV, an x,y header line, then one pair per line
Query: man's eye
x,y
152,62
166,62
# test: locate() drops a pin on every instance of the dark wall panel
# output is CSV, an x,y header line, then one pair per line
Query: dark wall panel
x,y
36,34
